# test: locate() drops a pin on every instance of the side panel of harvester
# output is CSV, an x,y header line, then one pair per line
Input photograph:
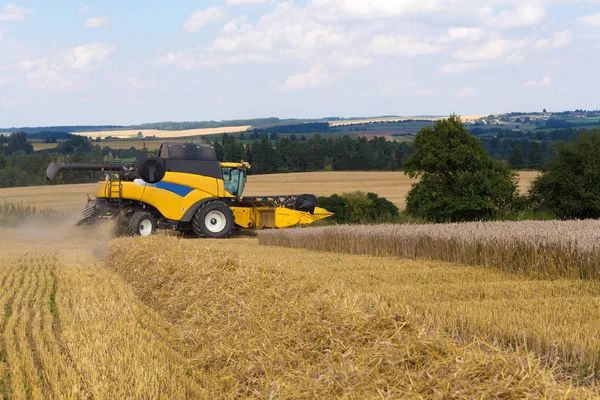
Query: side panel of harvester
x,y
173,196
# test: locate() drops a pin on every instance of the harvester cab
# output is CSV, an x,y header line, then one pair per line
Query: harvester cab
x,y
186,188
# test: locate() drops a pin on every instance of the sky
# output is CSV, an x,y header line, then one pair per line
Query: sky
x,y
128,62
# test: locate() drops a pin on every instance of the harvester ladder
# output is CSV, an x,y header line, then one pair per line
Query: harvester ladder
x,y
115,191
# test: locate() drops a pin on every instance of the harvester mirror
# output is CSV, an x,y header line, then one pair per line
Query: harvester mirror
x,y
151,170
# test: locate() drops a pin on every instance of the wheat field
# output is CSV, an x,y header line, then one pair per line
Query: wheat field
x,y
87,315
392,185
90,316
133,133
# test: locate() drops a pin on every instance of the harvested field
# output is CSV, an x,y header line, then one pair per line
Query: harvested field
x,y
282,323
133,133
464,118
392,185
166,317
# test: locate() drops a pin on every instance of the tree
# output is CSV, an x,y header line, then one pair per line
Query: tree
x,y
534,156
516,159
459,180
568,186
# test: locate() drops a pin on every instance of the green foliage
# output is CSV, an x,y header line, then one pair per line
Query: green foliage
x,y
516,159
569,185
534,156
459,180
359,208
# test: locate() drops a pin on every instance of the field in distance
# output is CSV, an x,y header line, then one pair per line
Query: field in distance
x,y
392,185
132,133
465,118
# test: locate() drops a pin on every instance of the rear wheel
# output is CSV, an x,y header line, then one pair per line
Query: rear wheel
x,y
141,223
213,220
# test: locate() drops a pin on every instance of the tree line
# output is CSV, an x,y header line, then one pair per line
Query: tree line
x,y
315,154
460,181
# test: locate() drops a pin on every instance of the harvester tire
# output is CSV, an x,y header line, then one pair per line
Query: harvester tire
x,y
141,223
213,220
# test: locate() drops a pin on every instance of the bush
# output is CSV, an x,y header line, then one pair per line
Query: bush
x,y
359,208
568,185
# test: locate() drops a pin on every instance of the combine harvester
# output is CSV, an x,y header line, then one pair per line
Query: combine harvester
x,y
186,189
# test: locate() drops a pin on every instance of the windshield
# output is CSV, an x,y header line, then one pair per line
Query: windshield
x,y
234,180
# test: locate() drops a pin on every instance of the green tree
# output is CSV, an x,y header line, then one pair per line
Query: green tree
x,y
534,156
459,180
516,159
568,186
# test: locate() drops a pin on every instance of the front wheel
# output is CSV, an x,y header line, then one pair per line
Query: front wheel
x,y
213,220
141,223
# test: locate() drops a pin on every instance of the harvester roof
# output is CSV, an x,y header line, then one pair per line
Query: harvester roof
x,y
187,151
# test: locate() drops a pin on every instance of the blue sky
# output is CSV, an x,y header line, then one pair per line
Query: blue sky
x,y
116,62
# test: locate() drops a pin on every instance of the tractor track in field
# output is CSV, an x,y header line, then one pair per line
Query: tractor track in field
x,y
32,353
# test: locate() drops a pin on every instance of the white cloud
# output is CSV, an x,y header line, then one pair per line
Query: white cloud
x,y
421,93
237,25
560,39
242,2
402,45
287,29
14,13
65,70
360,9
351,61
466,93
88,56
198,19
95,22
459,68
546,80
522,16
316,77
492,50
462,34
590,20
189,60
85,9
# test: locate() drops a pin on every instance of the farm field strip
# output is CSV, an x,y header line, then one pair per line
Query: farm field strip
x,y
132,133
71,329
392,185
544,306
543,249
278,322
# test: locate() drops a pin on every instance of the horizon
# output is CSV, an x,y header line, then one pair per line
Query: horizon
x,y
111,63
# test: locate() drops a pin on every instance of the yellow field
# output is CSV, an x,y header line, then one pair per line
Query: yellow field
x,y
464,118
221,319
90,316
392,185
132,133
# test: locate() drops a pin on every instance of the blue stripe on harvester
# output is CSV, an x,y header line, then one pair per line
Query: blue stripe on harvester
x,y
174,188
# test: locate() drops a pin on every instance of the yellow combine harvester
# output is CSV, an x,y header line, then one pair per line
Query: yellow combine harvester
x,y
186,188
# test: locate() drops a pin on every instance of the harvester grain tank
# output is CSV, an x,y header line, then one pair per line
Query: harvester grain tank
x,y
186,188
